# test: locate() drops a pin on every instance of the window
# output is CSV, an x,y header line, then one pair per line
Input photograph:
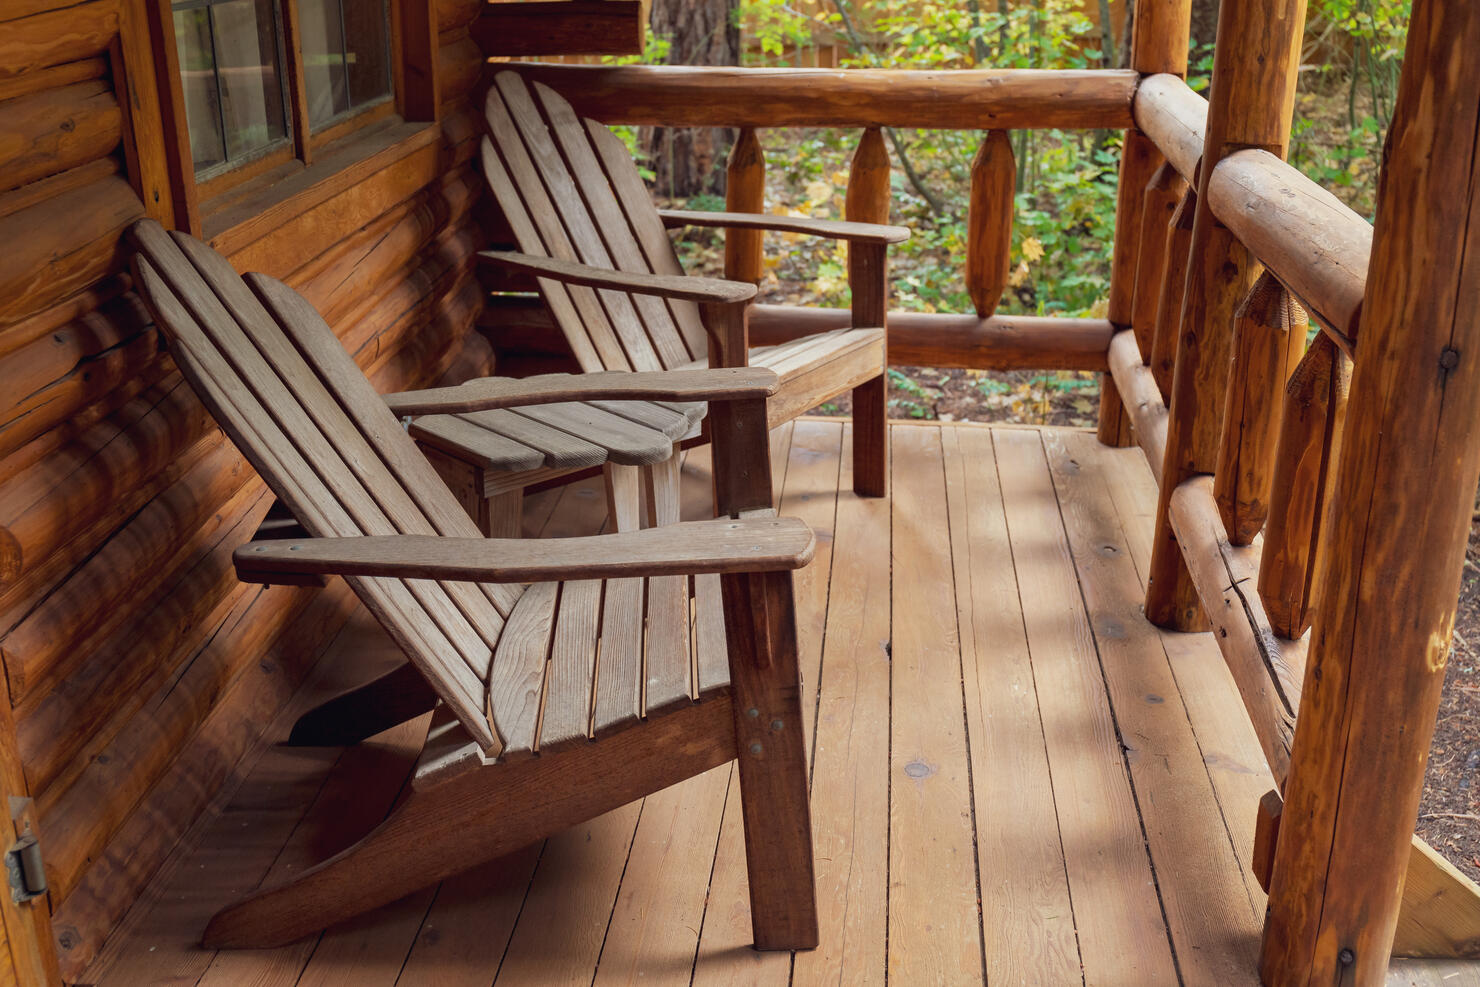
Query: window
x,y
240,70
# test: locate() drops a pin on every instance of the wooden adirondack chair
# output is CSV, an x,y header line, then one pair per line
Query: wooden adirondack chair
x,y
559,699
590,234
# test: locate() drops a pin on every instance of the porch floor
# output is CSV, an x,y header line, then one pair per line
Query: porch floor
x,y
1015,777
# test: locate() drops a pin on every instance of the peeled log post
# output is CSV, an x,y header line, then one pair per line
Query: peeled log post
x,y
1315,403
989,222
1394,539
1163,354
1268,342
745,191
1252,105
1164,194
868,276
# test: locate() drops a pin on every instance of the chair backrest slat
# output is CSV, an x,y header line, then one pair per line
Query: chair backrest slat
x,y
570,206
568,196
609,218
519,188
281,435
647,227
317,344
563,301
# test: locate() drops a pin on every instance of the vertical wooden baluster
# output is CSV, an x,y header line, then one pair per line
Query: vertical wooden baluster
x,y
868,202
1160,33
1393,543
1314,407
1139,161
1163,194
1268,341
745,191
989,222
1252,103
1162,357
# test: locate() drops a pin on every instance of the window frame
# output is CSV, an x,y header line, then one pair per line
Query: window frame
x,y
412,41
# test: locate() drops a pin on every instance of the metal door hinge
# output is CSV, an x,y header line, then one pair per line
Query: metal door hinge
x,y
24,869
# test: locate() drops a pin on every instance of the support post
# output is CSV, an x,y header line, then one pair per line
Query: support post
x,y
868,276
1159,44
1251,105
745,191
1395,534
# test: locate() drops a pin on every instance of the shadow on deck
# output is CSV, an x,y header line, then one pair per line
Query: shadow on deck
x,y
1015,777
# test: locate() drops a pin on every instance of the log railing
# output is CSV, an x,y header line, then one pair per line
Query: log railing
x,y
992,101
1221,248
1274,514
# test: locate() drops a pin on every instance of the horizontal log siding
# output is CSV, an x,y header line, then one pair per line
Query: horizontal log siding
x,y
139,668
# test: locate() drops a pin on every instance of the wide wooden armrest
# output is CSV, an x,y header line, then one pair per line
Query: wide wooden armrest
x,y
682,386
833,229
748,544
683,287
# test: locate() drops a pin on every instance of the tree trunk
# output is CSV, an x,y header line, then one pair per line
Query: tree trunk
x,y
691,161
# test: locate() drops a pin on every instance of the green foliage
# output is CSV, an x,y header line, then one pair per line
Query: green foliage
x,y
1354,53
655,50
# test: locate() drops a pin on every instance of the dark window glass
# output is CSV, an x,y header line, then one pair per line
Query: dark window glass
x,y
346,56
231,69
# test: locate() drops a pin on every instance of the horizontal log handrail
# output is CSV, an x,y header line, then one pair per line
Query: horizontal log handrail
x,y
936,339
970,99
1175,118
1315,245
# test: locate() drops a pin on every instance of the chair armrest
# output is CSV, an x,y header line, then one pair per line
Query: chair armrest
x,y
830,228
693,289
487,393
749,544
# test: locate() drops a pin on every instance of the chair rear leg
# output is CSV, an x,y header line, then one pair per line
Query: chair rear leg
x,y
773,761
871,438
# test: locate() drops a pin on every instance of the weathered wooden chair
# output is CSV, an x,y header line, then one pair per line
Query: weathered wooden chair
x,y
630,662
597,246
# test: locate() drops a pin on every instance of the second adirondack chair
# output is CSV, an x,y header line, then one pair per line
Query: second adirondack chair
x,y
589,233
574,675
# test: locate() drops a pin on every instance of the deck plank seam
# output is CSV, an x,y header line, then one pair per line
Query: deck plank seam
x,y
1115,723
1053,792
976,854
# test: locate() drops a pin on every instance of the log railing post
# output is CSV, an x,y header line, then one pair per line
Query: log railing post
x,y
1159,45
1310,434
1268,341
1162,358
989,215
1394,539
745,191
1159,206
867,201
1251,104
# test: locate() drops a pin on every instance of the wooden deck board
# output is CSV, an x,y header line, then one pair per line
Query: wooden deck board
x,y
973,653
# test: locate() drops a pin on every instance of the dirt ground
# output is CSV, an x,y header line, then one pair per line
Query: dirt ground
x,y
1449,816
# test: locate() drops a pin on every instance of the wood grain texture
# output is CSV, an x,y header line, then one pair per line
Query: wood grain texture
x,y
1175,118
564,27
56,130
1395,535
1303,471
1139,160
1268,342
986,99
989,216
745,192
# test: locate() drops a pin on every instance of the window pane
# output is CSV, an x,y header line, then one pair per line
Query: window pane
x,y
249,71
346,55
198,79
367,50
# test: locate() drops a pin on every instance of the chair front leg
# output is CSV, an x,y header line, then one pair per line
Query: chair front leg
x,y
760,622
868,274
728,326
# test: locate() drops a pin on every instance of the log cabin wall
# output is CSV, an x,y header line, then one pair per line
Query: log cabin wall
x,y
137,669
